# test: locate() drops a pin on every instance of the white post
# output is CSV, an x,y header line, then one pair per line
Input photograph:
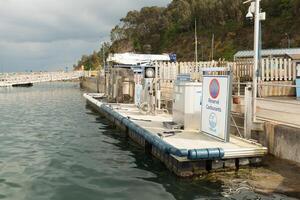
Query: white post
x,y
256,55
248,111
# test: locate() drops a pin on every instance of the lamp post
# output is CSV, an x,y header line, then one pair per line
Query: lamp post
x,y
254,9
103,56
104,68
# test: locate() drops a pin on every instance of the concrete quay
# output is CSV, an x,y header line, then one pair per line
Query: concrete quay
x,y
281,123
186,153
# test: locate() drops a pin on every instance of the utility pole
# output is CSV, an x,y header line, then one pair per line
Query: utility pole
x,y
256,55
212,46
202,53
103,55
196,43
104,68
254,9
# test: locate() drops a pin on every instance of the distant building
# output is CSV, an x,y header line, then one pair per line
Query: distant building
x,y
292,53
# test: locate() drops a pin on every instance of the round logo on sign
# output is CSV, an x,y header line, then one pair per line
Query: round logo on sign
x,y
214,88
212,119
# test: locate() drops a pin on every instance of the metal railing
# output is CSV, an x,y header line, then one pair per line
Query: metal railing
x,y
279,104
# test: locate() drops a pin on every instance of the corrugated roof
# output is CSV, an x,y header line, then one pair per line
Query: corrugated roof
x,y
269,52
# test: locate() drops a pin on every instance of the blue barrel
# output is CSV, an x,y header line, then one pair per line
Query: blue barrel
x,y
206,154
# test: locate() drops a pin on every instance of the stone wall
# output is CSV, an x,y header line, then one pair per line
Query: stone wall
x,y
281,140
93,84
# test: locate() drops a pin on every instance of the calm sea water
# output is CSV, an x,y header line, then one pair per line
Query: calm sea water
x,y
54,147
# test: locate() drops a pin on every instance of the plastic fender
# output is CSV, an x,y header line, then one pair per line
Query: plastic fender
x,y
125,121
213,153
200,154
181,152
139,131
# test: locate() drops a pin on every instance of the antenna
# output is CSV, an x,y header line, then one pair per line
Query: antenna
x,y
212,46
248,1
196,43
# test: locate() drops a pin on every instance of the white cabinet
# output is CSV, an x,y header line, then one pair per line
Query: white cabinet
x,y
187,104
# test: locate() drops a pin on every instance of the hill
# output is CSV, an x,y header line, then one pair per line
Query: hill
x,y
171,29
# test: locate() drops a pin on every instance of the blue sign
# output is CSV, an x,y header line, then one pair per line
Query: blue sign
x,y
173,57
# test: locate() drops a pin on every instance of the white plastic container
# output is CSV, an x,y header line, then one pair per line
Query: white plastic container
x,y
187,104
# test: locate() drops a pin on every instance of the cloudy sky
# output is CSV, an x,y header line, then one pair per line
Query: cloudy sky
x,y
53,34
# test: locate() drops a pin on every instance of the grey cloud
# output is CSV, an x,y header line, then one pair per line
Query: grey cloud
x,y
51,34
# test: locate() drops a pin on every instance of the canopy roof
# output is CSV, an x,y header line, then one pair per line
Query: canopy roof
x,y
134,59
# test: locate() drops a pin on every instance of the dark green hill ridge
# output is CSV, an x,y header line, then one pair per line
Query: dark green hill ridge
x,y
171,29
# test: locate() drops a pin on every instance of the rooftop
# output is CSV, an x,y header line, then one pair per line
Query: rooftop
x,y
291,52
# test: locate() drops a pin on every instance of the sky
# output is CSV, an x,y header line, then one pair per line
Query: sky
x,y
49,35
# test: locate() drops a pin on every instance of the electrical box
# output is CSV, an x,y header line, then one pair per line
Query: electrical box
x,y
187,104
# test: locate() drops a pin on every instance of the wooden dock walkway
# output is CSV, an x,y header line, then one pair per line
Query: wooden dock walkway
x,y
186,153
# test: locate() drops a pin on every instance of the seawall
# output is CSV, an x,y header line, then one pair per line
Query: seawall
x,y
92,84
281,140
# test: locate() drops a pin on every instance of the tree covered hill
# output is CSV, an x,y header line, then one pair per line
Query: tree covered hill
x,y
171,29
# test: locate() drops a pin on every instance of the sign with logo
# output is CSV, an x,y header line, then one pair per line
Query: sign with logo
x,y
216,105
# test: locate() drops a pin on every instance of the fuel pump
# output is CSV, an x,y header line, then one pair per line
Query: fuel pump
x,y
151,87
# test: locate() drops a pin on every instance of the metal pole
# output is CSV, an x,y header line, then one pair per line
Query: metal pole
x,y
256,55
104,68
196,43
248,111
212,46
202,54
103,56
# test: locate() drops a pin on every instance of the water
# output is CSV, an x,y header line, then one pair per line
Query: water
x,y
54,147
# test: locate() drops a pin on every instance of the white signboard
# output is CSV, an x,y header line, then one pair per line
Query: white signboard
x,y
216,103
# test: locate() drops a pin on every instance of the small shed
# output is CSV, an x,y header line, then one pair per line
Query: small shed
x,y
277,66
292,53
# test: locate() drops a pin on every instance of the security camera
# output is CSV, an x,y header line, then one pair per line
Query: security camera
x,y
249,15
251,10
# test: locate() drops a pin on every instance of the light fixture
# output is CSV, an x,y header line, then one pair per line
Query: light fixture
x,y
149,72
